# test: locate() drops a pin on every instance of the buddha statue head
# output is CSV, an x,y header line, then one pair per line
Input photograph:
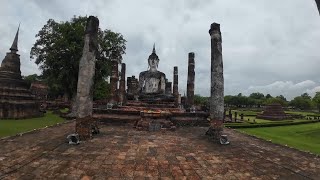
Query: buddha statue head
x,y
153,60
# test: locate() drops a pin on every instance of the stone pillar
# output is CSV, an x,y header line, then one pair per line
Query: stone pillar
x,y
235,116
175,84
122,86
84,98
217,83
87,69
114,81
190,82
129,85
168,89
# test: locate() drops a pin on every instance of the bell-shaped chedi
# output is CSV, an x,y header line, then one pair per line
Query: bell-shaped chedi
x,y
16,100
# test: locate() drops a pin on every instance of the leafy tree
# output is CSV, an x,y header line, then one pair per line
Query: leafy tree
x,y
31,78
257,98
281,97
256,95
101,90
268,96
301,102
200,100
228,100
316,100
276,100
58,50
306,96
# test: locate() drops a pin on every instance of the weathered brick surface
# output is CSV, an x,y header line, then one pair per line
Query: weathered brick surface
x,y
123,153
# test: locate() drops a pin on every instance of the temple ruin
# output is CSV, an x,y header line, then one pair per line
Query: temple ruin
x,y
152,102
16,100
273,112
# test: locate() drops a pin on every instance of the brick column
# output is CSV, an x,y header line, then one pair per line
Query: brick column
x,y
168,89
190,83
217,82
122,86
175,84
114,81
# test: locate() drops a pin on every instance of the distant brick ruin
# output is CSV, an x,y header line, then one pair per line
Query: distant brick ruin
x,y
273,112
16,100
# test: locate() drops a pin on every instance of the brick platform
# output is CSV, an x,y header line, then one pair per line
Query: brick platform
x,y
123,153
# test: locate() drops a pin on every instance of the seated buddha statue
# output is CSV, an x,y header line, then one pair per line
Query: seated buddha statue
x,y
152,81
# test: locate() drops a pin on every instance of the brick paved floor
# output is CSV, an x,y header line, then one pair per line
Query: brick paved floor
x,y
123,153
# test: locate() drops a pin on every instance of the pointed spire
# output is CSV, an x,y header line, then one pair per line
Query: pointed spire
x,y
154,48
14,46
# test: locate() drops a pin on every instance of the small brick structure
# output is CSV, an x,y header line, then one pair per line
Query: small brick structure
x,y
273,112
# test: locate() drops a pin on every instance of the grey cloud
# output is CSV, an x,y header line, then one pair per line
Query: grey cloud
x,y
288,88
264,42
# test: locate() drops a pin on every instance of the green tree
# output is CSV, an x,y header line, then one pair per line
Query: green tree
x,y
257,98
281,97
256,95
58,50
268,96
316,100
101,90
306,96
276,100
31,78
301,102
200,100
228,100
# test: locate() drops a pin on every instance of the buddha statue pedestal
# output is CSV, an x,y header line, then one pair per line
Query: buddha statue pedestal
x,y
154,121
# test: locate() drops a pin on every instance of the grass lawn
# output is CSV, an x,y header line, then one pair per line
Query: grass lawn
x,y
13,127
304,137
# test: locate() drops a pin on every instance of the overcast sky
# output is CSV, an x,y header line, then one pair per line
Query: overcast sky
x,y
269,46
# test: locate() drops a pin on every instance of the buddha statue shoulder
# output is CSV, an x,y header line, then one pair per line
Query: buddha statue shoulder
x,y
152,81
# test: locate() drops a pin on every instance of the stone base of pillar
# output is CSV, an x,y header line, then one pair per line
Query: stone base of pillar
x,y
215,130
86,127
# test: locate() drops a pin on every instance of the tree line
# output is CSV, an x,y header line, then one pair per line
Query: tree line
x,y
257,100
